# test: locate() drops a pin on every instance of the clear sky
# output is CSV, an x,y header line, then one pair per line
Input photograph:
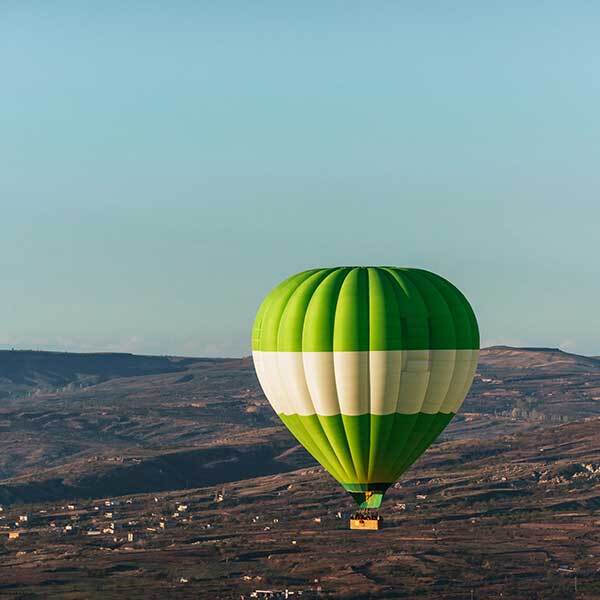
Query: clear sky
x,y
164,164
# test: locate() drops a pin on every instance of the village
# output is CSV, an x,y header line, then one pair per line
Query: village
x,y
287,535
130,525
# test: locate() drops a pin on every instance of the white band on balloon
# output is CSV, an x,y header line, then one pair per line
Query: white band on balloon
x,y
376,382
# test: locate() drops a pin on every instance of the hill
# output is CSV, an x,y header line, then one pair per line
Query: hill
x,y
72,424
24,372
512,517
159,476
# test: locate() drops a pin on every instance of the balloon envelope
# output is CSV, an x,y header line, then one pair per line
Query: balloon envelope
x,y
365,366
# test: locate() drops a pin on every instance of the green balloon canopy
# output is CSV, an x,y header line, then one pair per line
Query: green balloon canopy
x,y
366,366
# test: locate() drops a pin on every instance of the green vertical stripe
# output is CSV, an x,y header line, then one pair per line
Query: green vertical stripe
x,y
442,332
310,434
388,435
424,435
351,325
463,318
364,308
291,322
358,434
412,311
320,314
386,319
346,446
266,324
333,426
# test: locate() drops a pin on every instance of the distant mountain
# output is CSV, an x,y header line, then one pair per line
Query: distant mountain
x,y
537,383
22,371
77,423
552,360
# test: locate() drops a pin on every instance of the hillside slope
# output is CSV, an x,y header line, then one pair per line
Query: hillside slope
x,y
75,424
512,517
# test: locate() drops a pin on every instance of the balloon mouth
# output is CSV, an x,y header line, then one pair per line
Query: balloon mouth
x,y
367,495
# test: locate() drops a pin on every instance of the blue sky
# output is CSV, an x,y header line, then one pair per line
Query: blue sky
x,y
163,165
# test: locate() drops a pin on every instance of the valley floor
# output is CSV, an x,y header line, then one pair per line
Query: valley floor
x,y
514,517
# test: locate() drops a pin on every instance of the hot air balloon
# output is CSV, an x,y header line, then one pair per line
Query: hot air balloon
x,y
366,366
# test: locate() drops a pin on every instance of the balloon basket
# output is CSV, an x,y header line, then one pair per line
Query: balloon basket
x,y
366,521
